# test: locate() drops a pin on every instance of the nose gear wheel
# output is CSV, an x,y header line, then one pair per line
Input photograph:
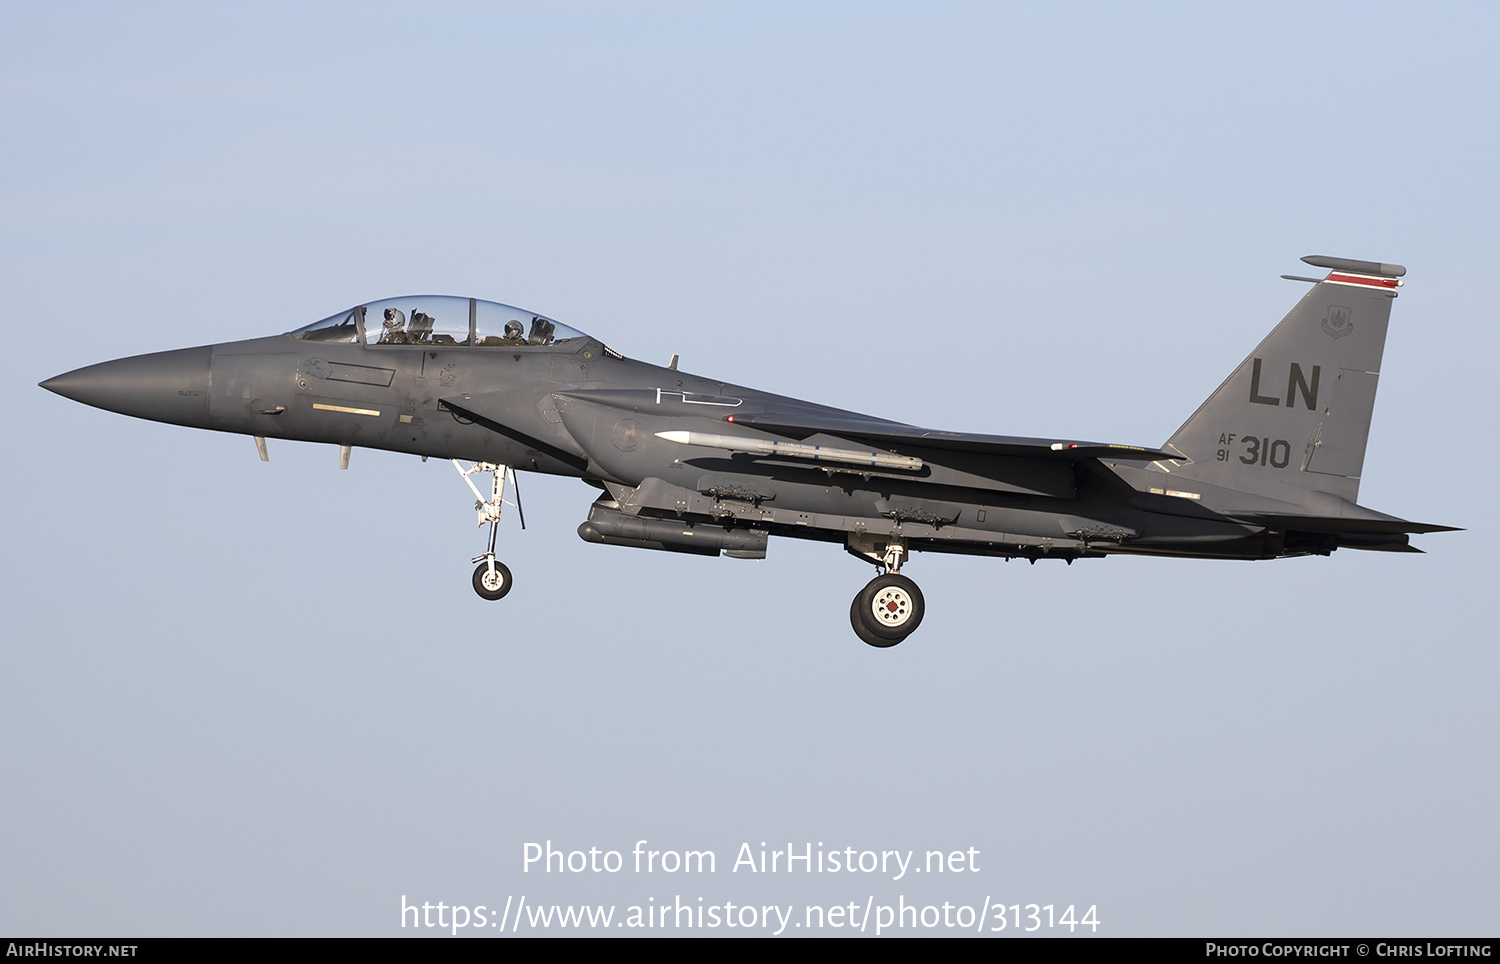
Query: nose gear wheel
x,y
492,583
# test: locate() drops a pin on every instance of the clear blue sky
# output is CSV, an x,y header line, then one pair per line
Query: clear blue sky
x,y
245,698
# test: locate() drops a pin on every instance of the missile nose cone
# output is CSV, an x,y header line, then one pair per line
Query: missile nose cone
x,y
75,384
168,386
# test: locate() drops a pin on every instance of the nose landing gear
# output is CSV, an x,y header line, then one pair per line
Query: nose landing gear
x,y
890,607
492,580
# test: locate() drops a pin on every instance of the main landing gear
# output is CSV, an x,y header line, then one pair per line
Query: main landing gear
x,y
891,607
492,580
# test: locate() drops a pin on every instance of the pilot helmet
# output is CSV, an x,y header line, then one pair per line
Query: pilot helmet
x,y
394,318
514,329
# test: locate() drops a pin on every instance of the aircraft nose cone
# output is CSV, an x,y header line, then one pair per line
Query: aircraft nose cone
x,y
168,386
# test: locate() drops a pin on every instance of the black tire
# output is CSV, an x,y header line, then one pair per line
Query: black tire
x,y
483,586
901,610
863,633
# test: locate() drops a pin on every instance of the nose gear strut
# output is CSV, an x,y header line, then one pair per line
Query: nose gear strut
x,y
492,580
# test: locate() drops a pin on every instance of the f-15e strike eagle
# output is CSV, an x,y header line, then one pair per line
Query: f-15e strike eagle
x,y
1268,466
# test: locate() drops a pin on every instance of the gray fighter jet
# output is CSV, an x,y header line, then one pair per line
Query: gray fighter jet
x,y
1268,466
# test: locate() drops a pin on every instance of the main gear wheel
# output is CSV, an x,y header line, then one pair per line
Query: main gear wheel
x,y
887,610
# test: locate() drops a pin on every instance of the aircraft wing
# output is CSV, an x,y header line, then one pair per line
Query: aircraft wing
x,y
881,432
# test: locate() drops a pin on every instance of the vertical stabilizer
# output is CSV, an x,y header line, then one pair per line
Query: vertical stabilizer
x,y
1292,420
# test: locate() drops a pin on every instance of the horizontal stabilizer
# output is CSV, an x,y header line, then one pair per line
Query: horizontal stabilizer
x,y
1388,525
886,433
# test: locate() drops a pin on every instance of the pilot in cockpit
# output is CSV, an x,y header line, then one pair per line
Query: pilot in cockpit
x,y
391,331
515,334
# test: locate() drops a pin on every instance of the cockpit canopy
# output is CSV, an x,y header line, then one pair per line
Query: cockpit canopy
x,y
439,320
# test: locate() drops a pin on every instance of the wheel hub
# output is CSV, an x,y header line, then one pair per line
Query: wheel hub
x,y
892,607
